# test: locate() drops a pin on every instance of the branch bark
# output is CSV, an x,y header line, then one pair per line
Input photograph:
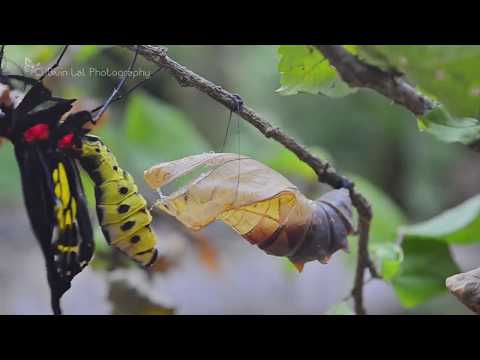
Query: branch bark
x,y
357,73
466,287
325,172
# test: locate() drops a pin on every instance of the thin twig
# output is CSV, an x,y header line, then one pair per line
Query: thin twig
x,y
358,73
325,172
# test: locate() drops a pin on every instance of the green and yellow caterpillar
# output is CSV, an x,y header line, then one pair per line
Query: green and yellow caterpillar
x,y
122,212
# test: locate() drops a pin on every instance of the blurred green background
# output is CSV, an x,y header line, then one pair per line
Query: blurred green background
x,y
410,175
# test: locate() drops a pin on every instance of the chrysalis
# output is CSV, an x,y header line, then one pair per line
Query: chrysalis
x,y
260,204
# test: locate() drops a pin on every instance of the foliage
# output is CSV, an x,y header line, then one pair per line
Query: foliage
x,y
448,74
304,69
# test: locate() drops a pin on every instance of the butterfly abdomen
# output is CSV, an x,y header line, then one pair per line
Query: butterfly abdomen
x,y
122,211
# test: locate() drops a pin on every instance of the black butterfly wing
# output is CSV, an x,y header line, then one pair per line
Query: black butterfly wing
x,y
73,235
40,203
58,214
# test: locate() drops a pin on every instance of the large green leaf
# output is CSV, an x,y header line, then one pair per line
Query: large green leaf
x,y
304,70
427,259
459,225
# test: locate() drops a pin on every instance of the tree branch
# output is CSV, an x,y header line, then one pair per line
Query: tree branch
x,y
357,73
325,172
466,287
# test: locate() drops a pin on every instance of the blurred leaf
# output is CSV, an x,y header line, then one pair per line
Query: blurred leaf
x,y
207,254
448,73
390,257
426,265
340,309
287,163
156,131
459,225
304,69
86,52
127,300
439,123
387,216
10,188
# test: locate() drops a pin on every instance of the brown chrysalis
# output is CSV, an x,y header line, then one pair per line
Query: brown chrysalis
x,y
257,202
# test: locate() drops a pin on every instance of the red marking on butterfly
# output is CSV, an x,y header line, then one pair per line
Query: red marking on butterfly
x,y
37,133
66,142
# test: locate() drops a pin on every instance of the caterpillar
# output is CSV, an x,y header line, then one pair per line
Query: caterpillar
x,y
258,203
52,189
122,212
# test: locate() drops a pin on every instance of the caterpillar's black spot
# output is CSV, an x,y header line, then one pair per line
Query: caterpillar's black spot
x,y
123,190
122,209
127,226
97,150
135,239
144,252
115,168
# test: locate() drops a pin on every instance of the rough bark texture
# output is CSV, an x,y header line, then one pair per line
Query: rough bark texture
x,y
466,287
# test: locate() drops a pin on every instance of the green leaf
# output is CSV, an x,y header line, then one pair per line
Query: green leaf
x,y
426,265
303,69
441,124
459,225
427,259
340,309
390,258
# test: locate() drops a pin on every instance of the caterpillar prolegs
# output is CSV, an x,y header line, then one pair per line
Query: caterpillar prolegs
x,y
121,210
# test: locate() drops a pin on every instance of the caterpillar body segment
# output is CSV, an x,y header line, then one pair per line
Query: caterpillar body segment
x,y
121,210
